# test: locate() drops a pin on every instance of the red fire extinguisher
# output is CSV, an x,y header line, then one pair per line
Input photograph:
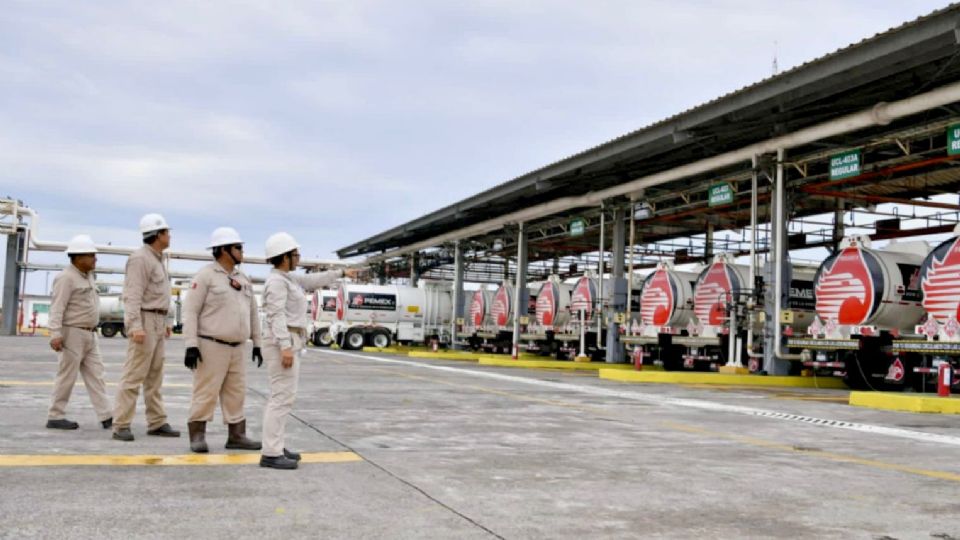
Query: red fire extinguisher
x,y
944,379
638,357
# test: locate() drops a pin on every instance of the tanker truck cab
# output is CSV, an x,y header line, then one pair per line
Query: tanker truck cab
x,y
324,306
865,298
379,315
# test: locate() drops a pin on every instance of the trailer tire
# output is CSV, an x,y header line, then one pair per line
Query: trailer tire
x,y
108,330
353,340
123,331
322,338
672,358
380,339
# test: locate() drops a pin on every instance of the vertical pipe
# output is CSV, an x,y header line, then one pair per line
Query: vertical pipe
x,y
520,292
778,252
457,291
633,230
618,292
754,212
11,282
598,310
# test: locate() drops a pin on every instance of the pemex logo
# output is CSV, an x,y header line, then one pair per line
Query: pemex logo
x,y
478,308
583,295
714,289
501,306
847,287
940,281
340,303
657,301
547,304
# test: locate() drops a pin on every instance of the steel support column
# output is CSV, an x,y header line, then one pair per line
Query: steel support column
x,y
618,299
11,282
457,291
776,360
520,292
414,268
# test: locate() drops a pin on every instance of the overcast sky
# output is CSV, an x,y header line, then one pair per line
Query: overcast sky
x,y
336,120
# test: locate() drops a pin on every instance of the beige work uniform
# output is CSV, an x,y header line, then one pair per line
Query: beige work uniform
x,y
285,307
146,301
74,316
214,311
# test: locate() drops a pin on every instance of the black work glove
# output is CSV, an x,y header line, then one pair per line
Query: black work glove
x,y
192,358
257,357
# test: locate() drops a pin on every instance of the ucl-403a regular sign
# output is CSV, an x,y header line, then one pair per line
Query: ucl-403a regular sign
x,y
846,165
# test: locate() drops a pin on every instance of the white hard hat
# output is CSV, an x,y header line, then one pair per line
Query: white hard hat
x,y
81,244
152,223
280,243
224,236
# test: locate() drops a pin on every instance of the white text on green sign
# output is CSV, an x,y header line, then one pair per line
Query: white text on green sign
x,y
845,165
721,194
577,227
953,140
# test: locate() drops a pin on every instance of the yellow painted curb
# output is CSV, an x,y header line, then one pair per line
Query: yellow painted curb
x,y
389,350
686,377
30,460
918,403
447,355
558,364
734,370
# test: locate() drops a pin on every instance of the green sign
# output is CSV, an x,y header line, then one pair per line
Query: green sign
x,y
845,165
721,194
577,227
953,140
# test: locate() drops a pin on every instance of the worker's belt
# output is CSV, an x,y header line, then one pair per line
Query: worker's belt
x,y
222,342
94,329
158,311
296,330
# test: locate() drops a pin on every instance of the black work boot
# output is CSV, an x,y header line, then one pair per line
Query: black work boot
x,y
278,462
123,434
237,437
108,423
164,431
62,423
289,454
198,442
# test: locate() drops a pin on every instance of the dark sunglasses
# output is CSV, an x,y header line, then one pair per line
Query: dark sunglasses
x,y
238,247
235,284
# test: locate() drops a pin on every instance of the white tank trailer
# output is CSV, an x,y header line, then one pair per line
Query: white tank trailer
x,y
378,315
666,301
865,299
502,309
478,315
324,306
111,316
552,309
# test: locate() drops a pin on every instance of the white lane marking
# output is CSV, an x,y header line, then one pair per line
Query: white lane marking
x,y
678,402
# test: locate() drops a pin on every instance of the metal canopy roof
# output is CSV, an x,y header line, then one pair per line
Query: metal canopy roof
x,y
904,61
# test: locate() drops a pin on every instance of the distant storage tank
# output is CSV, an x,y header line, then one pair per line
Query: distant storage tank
x,y
862,286
553,303
478,313
940,283
394,303
666,298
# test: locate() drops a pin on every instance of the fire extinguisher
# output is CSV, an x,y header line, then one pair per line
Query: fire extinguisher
x,y
638,357
944,379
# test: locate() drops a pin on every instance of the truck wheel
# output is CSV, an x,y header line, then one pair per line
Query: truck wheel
x,y
108,330
123,331
353,341
672,358
380,339
322,338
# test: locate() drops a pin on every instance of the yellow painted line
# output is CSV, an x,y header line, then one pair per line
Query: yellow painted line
x,y
453,355
393,349
831,456
557,364
906,402
685,377
30,460
79,383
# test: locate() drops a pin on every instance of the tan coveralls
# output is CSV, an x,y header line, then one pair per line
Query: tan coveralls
x,y
285,307
214,309
146,302
74,316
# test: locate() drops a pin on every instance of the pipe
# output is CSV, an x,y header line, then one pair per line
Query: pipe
x,y
880,114
633,229
753,257
779,225
881,199
598,311
42,245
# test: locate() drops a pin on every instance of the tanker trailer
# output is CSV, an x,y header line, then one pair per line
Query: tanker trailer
x,y
377,315
940,332
664,310
324,314
502,312
111,317
589,310
478,320
865,298
546,333
721,296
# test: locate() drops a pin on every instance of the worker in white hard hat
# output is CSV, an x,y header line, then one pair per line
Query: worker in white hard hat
x,y
148,322
219,316
74,317
285,307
